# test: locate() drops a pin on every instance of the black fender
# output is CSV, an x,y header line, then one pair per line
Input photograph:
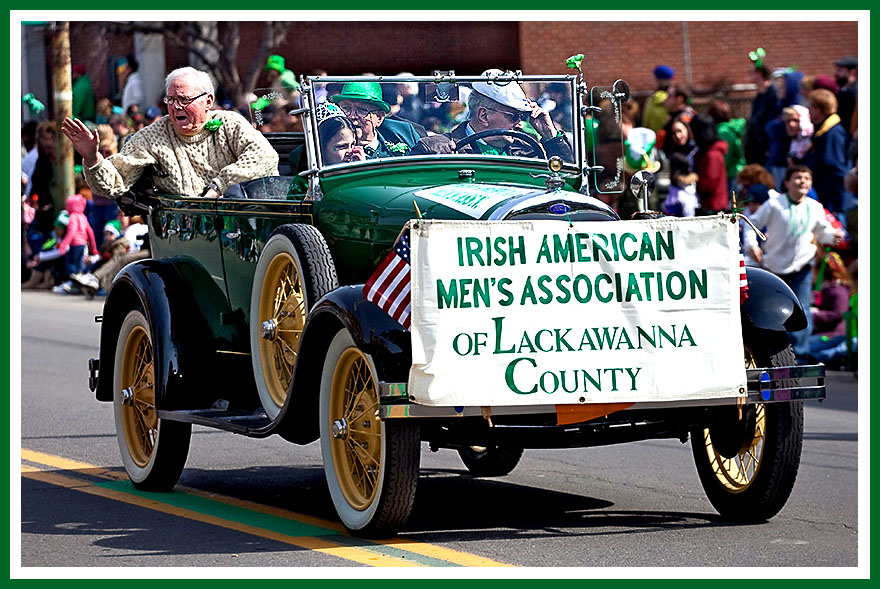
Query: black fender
x,y
372,330
771,305
184,327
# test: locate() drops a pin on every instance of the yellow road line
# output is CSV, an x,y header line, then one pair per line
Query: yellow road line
x,y
56,461
430,550
442,553
358,555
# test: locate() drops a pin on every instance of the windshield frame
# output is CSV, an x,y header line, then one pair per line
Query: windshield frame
x,y
316,166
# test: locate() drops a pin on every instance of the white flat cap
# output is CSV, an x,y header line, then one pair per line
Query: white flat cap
x,y
506,92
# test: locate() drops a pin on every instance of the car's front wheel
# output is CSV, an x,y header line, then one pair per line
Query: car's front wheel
x,y
748,464
371,465
153,450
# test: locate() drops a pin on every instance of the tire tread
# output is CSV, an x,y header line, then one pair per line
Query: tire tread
x,y
775,479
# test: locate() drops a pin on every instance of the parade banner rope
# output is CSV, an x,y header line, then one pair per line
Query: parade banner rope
x,y
543,312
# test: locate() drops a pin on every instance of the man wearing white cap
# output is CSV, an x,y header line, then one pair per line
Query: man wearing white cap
x,y
500,106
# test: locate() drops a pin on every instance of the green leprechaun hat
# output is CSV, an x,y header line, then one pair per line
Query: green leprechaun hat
x,y
369,92
275,62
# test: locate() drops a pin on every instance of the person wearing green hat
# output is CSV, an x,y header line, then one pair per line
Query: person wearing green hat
x,y
380,137
277,71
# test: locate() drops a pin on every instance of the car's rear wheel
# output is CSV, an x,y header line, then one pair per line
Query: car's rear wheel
x,y
495,460
371,465
295,269
748,465
153,450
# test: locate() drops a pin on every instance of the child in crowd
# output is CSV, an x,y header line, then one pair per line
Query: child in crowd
x,y
792,221
79,235
753,197
48,265
828,341
682,200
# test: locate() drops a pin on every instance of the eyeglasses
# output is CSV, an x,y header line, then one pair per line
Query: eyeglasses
x,y
182,100
518,117
359,112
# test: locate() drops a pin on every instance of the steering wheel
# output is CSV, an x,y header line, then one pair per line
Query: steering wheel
x,y
535,145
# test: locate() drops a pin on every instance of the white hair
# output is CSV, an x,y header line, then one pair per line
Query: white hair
x,y
202,79
475,101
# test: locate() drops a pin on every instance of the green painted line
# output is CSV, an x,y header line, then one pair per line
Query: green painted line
x,y
265,521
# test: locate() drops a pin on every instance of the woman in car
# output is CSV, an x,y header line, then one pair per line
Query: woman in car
x,y
337,135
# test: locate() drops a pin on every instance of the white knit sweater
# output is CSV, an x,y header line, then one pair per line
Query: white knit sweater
x,y
234,153
790,229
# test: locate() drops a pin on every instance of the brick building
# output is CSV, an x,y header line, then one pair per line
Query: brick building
x,y
707,56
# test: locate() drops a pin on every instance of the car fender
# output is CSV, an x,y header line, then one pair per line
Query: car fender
x,y
372,330
184,347
771,304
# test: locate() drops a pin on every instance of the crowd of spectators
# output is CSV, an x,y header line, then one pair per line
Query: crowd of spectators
x,y
791,167
799,125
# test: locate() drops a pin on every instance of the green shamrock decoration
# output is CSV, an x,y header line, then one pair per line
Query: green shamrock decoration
x,y
260,103
758,56
574,62
397,147
35,106
213,124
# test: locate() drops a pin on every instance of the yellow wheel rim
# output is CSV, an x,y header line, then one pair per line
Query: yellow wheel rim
x,y
139,420
357,431
738,472
283,303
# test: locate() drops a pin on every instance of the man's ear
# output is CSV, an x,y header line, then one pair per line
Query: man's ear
x,y
210,101
483,114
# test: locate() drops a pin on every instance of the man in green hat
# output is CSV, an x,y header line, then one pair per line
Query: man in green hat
x,y
362,103
277,71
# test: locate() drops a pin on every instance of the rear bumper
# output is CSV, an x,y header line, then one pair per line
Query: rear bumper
x,y
780,384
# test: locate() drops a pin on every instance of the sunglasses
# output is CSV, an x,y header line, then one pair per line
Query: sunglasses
x,y
182,100
518,116
358,111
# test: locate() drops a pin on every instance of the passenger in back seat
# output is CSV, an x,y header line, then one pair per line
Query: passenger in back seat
x,y
337,136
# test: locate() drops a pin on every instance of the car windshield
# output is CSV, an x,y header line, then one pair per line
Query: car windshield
x,y
349,120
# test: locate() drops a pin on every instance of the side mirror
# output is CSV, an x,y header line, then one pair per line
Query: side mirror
x,y
642,185
621,91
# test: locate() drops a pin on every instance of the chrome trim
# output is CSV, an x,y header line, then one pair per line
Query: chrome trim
x,y
128,397
540,198
450,78
441,159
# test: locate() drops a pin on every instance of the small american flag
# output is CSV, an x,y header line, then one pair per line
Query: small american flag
x,y
389,286
743,279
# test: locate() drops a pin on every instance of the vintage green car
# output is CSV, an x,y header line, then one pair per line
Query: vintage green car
x,y
251,315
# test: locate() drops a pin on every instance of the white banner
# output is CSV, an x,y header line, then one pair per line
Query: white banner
x,y
549,312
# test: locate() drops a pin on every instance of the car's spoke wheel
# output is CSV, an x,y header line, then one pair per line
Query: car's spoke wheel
x,y
748,465
295,269
495,460
371,466
153,450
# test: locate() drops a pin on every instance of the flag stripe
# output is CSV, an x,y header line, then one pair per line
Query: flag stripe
x,y
389,286
377,281
394,291
400,299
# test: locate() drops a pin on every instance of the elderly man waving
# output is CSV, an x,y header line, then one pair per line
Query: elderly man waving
x,y
196,151
500,106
